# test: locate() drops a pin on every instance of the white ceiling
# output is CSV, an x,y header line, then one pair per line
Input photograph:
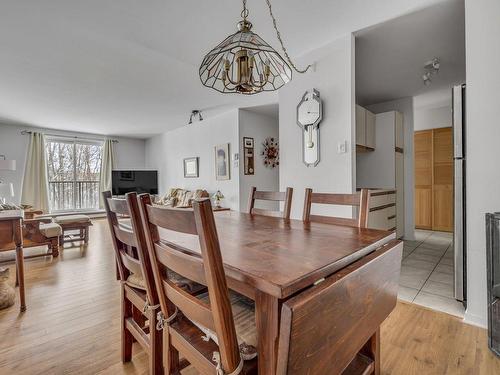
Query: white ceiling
x,y
128,67
390,57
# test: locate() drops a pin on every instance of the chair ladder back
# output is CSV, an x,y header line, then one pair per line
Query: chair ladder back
x,y
360,200
118,246
215,315
351,305
217,285
276,196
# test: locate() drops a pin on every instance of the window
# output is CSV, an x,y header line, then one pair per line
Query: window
x,y
73,167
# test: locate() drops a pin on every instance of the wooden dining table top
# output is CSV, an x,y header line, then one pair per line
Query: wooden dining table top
x,y
280,257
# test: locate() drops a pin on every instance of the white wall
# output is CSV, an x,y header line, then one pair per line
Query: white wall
x,y
482,24
166,152
259,127
129,152
405,106
432,118
333,77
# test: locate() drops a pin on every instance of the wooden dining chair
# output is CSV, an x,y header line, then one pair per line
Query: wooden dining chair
x,y
202,330
360,199
334,327
139,298
276,196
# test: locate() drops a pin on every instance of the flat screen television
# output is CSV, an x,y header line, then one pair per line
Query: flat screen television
x,y
124,182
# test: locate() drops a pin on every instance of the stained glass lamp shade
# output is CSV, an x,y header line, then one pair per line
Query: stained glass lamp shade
x,y
244,63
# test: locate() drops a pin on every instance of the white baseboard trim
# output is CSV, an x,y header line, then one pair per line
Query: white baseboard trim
x,y
475,320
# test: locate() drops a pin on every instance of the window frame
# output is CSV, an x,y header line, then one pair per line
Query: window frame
x,y
73,141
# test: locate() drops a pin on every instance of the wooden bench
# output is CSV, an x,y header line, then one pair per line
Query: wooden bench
x,y
72,223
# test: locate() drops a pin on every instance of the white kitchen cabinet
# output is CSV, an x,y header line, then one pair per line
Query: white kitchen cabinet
x,y
370,129
365,128
360,125
382,213
383,168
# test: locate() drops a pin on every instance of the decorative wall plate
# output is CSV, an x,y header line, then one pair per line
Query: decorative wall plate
x,y
271,152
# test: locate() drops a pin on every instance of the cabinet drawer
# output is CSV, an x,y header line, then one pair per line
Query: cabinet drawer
x,y
381,200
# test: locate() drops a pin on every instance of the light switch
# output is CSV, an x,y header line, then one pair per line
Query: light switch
x,y
342,147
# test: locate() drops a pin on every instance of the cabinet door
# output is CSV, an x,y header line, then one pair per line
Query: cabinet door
x,y
400,142
442,205
360,125
370,129
423,179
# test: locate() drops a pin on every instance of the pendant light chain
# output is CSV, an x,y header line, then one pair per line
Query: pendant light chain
x,y
244,12
279,38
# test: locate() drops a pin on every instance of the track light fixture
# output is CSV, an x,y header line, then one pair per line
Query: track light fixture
x,y
431,68
194,114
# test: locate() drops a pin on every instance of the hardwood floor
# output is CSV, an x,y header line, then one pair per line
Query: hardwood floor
x,y
71,325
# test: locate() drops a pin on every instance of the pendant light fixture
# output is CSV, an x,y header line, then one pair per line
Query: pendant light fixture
x,y
244,63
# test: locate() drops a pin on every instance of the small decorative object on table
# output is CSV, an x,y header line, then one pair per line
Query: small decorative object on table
x,y
271,152
217,198
7,293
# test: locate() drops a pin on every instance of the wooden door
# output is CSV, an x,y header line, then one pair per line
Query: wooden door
x,y
442,199
423,179
434,179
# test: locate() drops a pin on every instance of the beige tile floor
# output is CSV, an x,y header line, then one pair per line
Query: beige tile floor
x,y
427,272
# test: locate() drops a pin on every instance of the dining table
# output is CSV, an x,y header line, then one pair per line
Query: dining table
x,y
271,259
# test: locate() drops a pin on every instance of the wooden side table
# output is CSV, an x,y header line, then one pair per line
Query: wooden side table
x,y
11,237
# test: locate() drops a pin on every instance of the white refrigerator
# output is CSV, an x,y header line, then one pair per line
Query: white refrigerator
x,y
459,160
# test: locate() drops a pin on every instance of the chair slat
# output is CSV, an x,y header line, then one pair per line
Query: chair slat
x,y
273,196
260,211
337,199
118,206
132,264
189,266
175,219
269,195
126,236
193,308
360,200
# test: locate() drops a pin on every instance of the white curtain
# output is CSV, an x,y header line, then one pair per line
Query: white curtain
x,y
107,164
35,182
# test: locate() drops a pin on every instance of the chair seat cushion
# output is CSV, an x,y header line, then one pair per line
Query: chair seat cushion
x,y
244,319
70,219
50,230
137,281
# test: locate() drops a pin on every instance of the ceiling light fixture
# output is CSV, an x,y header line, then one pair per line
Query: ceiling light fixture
x,y
194,114
431,68
244,63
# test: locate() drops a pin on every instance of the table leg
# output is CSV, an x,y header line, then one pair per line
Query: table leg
x,y
267,312
372,350
20,275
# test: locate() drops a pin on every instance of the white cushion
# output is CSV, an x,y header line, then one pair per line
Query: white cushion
x,y
50,230
72,219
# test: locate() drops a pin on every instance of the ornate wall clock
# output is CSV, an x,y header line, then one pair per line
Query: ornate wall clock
x,y
309,115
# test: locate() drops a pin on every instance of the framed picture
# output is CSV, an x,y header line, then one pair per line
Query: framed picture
x,y
191,167
247,142
222,162
248,151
